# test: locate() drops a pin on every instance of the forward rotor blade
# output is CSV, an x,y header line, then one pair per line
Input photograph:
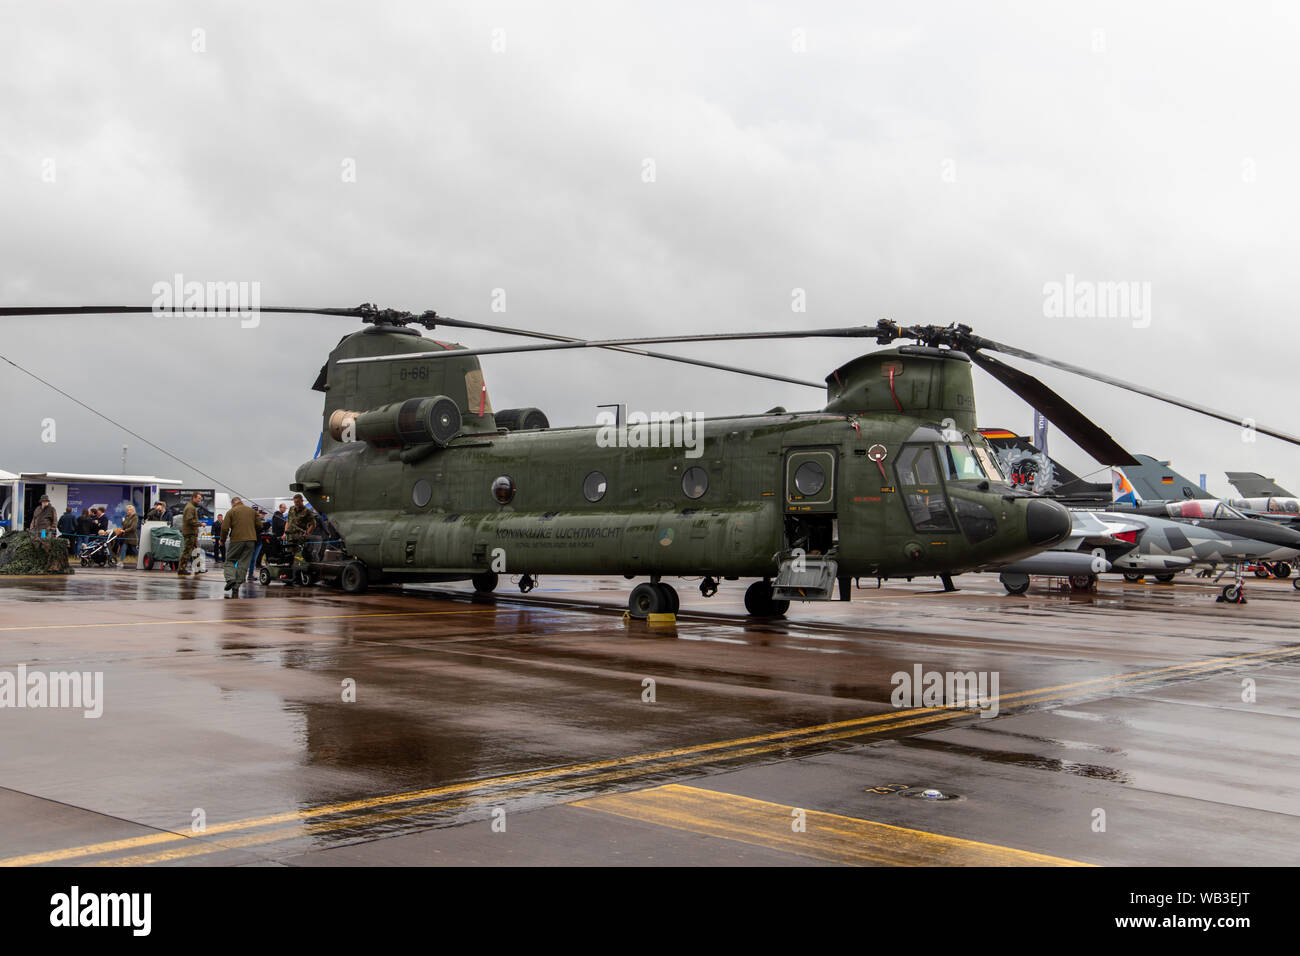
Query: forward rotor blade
x,y
1238,420
1080,429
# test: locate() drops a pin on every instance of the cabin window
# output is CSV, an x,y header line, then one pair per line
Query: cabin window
x,y
594,486
421,492
809,478
695,482
503,489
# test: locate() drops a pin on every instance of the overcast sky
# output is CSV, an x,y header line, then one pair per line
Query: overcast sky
x,y
931,162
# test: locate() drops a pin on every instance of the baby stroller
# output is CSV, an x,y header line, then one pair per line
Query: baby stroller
x,y
95,553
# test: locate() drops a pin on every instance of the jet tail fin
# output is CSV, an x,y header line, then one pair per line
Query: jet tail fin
x,y
1251,484
1122,491
1151,480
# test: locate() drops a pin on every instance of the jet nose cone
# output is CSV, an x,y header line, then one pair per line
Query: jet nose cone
x,y
1047,523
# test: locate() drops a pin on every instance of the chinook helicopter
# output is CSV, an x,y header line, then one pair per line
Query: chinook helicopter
x,y
891,478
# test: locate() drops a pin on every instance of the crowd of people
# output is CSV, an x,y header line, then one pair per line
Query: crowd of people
x,y
238,538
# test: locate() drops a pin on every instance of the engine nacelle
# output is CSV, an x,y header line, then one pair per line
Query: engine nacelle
x,y
416,421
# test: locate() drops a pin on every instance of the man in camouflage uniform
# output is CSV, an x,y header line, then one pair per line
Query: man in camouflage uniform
x,y
190,530
299,523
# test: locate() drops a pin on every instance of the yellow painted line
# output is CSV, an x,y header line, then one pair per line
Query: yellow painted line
x,y
828,837
310,828
243,620
663,760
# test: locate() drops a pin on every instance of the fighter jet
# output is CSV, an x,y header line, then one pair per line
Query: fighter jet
x,y
1262,497
1137,544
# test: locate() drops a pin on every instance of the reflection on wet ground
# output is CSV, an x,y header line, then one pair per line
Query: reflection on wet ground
x,y
293,721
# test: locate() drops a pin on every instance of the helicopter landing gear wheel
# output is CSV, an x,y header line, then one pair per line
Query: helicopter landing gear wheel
x,y
1015,583
708,587
527,583
672,603
485,583
1133,577
264,576
354,578
1165,578
1082,582
647,599
760,603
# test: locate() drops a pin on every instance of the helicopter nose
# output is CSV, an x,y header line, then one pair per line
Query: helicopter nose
x,y
1047,523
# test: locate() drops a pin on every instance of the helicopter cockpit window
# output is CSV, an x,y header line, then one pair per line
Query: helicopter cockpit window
x,y
503,489
593,486
990,463
916,466
695,482
961,462
918,481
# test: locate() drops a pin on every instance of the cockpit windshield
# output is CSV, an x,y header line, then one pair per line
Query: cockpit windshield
x,y
1202,508
961,461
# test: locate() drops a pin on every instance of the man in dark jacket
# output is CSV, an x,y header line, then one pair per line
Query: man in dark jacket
x,y
278,521
68,529
218,548
85,528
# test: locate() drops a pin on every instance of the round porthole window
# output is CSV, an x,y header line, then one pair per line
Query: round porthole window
x,y
594,486
421,492
503,489
809,478
695,483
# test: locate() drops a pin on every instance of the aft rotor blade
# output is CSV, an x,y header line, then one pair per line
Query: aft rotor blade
x,y
13,311
560,340
626,344
1078,427
1238,420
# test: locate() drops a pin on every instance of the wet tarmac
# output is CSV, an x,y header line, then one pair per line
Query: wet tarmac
x,y
1143,724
